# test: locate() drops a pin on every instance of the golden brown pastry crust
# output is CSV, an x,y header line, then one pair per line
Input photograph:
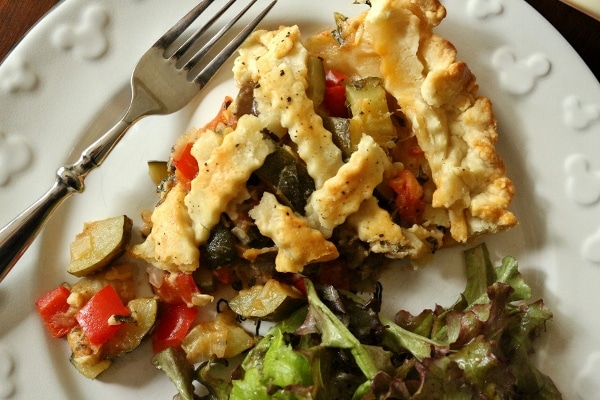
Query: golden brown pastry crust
x,y
437,94
454,126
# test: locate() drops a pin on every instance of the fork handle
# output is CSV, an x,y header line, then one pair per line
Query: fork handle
x,y
18,235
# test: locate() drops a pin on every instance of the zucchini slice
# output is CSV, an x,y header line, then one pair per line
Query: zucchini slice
x,y
100,243
367,99
273,301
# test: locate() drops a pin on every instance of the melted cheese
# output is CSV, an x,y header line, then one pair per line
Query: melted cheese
x,y
298,244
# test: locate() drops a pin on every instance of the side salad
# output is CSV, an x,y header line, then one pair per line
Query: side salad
x,y
332,343
338,346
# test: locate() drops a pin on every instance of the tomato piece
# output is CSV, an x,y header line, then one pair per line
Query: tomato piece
x,y
95,317
186,166
177,287
409,196
54,310
174,323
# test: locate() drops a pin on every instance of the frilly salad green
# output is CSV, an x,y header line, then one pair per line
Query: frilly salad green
x,y
339,347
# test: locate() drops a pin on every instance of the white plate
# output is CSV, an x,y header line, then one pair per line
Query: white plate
x,y
68,80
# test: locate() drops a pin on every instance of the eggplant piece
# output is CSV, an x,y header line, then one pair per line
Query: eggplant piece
x,y
220,247
245,103
100,243
288,178
257,239
272,301
368,103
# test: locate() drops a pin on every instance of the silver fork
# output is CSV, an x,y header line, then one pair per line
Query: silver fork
x,y
158,86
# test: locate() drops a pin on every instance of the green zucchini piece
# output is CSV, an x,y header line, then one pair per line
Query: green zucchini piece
x,y
217,385
340,134
316,80
205,280
222,337
87,359
90,366
272,301
100,243
158,171
288,178
95,360
174,363
367,99
340,23
128,338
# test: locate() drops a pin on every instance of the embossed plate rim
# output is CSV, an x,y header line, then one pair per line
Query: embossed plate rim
x,y
550,243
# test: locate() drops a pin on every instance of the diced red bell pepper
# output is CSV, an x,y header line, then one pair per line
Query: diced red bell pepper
x,y
334,100
54,310
409,196
174,323
334,78
95,317
177,287
186,166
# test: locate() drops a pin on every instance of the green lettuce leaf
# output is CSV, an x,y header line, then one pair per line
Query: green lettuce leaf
x,y
272,367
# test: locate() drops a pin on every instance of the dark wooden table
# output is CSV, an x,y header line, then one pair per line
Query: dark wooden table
x,y
582,31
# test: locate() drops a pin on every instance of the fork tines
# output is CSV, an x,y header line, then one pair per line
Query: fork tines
x,y
188,51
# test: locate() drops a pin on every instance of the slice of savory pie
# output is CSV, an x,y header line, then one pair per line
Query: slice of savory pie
x,y
371,136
